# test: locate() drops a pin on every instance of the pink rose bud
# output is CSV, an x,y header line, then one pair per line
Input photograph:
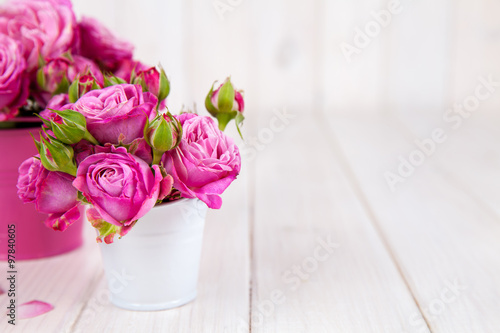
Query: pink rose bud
x,y
82,85
69,127
53,76
13,79
154,81
225,104
162,134
55,155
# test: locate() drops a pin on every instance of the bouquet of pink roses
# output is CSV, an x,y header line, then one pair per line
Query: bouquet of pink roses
x,y
107,138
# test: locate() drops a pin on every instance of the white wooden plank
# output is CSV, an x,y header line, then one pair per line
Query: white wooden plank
x,y
417,56
355,81
476,49
438,234
284,60
302,200
470,147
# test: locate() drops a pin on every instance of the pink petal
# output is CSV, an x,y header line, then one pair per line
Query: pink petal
x,y
33,309
1,291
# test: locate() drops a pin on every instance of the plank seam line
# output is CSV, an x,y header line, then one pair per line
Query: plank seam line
x,y
358,192
86,298
252,195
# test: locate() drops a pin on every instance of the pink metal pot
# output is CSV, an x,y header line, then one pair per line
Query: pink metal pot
x,y
33,238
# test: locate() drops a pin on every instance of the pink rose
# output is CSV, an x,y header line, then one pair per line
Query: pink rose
x,y
205,162
120,186
117,113
127,67
51,192
44,27
99,44
13,79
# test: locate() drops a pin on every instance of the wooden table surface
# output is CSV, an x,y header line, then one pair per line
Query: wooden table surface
x,y
311,238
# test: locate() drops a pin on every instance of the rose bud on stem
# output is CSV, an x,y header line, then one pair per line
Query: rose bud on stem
x,y
55,155
226,104
52,77
82,85
69,127
163,133
154,81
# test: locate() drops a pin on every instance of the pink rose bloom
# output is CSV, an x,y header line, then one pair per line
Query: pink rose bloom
x,y
44,27
117,113
51,192
99,44
126,67
13,79
205,162
120,186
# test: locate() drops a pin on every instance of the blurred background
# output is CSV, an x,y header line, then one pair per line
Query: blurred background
x,y
337,55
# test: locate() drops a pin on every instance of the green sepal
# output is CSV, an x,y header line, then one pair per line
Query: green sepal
x,y
59,156
82,198
41,61
40,78
112,80
208,102
73,90
224,118
37,143
225,99
164,89
63,86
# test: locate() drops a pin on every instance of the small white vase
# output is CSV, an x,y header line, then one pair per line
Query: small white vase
x,y
155,266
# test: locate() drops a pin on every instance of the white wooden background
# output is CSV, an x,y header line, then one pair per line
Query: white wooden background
x,y
422,258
